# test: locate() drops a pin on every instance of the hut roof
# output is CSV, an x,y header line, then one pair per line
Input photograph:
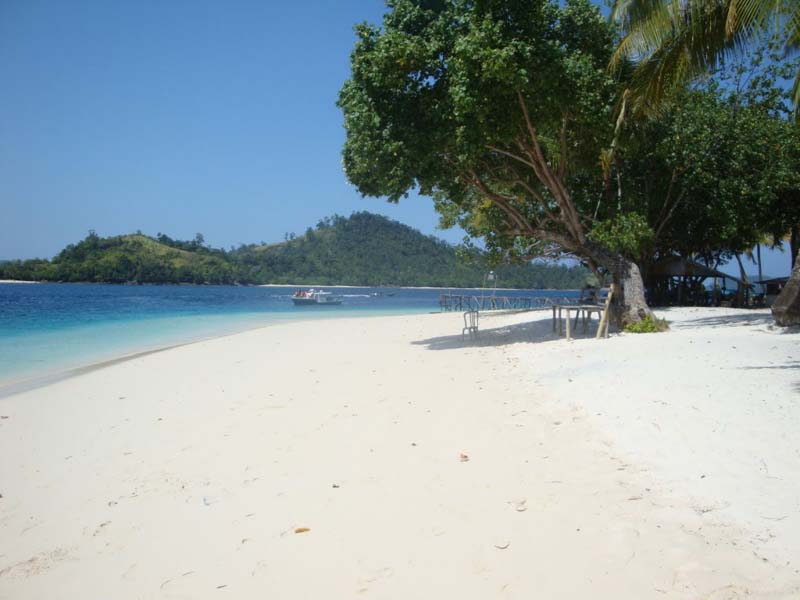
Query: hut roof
x,y
774,280
675,266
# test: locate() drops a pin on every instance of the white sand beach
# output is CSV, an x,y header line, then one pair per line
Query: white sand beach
x,y
387,458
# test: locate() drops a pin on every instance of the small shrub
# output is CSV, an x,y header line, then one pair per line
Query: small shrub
x,y
649,324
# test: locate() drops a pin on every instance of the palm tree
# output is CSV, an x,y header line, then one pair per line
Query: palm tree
x,y
671,42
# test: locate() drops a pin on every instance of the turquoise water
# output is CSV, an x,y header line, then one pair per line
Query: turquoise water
x,y
50,328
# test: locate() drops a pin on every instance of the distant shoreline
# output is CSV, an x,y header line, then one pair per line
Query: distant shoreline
x,y
302,285
411,287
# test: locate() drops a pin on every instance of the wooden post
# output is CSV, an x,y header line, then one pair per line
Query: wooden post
x,y
604,319
569,320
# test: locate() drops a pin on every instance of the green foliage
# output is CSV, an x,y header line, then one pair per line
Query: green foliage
x,y
626,233
126,259
649,324
372,250
364,249
435,103
718,168
675,42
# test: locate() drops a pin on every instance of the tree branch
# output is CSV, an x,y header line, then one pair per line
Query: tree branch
x,y
669,214
501,202
536,195
510,155
562,167
555,184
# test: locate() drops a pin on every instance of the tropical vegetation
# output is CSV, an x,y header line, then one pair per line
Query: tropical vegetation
x,y
672,43
364,249
506,114
714,173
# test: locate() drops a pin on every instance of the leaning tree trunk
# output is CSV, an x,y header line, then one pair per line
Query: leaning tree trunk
x,y
786,309
629,304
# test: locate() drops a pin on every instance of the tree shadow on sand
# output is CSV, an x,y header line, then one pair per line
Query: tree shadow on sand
x,y
749,318
532,332
790,365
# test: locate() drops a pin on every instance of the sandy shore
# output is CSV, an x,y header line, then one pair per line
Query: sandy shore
x,y
387,458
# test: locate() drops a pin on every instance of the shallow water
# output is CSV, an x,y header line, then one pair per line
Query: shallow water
x,y
48,328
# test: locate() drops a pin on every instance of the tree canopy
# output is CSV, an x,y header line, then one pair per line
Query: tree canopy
x,y
675,42
500,110
713,172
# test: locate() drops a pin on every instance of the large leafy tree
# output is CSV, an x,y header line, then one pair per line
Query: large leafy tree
x,y
674,42
711,174
499,110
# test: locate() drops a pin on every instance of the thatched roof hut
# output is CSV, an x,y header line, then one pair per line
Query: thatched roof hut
x,y
677,280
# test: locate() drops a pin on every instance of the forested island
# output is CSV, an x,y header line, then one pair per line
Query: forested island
x,y
363,249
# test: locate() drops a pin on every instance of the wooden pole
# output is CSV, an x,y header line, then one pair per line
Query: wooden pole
x,y
569,320
604,319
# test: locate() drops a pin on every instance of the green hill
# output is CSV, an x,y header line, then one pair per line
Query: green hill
x,y
364,249
125,258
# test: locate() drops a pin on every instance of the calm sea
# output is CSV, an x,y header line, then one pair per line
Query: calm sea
x,y
50,328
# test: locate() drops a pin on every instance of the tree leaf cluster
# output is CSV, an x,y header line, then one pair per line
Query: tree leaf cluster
x,y
716,170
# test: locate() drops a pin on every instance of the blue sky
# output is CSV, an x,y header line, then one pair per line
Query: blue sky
x,y
178,117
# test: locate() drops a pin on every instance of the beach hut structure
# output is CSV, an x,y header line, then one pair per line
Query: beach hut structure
x,y
772,287
677,280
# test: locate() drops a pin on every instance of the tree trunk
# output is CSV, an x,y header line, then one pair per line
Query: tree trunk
x,y
758,255
742,290
786,309
629,304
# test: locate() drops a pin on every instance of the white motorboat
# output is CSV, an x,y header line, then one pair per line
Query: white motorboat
x,y
314,297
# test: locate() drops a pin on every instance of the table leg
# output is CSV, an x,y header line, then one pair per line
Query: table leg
x,y
569,320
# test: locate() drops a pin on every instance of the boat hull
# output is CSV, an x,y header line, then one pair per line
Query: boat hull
x,y
315,302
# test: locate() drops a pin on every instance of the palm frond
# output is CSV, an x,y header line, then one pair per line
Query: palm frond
x,y
649,34
693,49
631,12
674,41
750,15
